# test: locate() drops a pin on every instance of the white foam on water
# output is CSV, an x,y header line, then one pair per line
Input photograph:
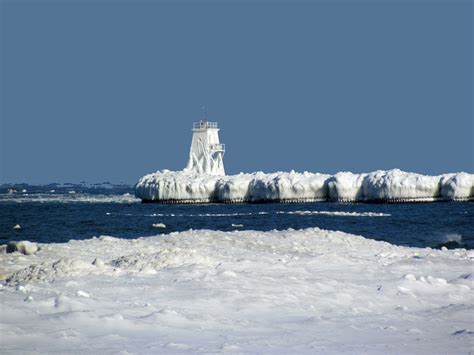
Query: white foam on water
x,y
452,237
206,214
338,213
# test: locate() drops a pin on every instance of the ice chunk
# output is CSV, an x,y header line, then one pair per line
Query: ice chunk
x,y
24,247
346,186
457,186
398,185
98,262
82,294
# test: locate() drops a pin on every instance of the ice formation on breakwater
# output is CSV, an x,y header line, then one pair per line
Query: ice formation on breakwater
x,y
204,180
379,186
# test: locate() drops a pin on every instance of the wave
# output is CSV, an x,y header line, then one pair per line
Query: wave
x,y
452,237
452,241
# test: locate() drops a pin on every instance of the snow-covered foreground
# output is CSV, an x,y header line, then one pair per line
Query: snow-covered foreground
x,y
312,291
387,186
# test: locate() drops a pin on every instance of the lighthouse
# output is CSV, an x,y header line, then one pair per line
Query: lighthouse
x,y
206,155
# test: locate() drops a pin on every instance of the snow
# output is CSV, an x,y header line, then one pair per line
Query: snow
x,y
200,291
387,186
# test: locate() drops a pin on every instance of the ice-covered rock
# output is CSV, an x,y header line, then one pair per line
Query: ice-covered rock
x,y
234,188
23,247
98,262
180,186
81,293
397,185
457,186
289,187
387,186
346,186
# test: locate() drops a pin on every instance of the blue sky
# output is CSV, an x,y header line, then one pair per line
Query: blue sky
x,y
107,91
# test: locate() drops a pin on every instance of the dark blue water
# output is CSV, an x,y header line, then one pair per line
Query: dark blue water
x,y
60,216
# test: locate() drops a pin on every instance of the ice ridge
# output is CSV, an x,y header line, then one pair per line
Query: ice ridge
x,y
380,186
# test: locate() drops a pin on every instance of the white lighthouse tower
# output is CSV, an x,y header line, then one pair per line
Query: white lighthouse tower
x,y
206,153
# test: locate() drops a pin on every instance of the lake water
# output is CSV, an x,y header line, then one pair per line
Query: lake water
x,y
77,212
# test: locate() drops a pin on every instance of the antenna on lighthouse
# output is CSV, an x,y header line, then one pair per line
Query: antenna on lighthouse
x,y
204,110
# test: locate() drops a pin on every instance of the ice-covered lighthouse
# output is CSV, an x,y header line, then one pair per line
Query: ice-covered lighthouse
x,y
206,155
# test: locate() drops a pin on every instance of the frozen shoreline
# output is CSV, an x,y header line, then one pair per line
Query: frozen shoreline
x,y
392,186
208,291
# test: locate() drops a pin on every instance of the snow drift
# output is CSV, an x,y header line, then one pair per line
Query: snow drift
x,y
307,291
384,186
